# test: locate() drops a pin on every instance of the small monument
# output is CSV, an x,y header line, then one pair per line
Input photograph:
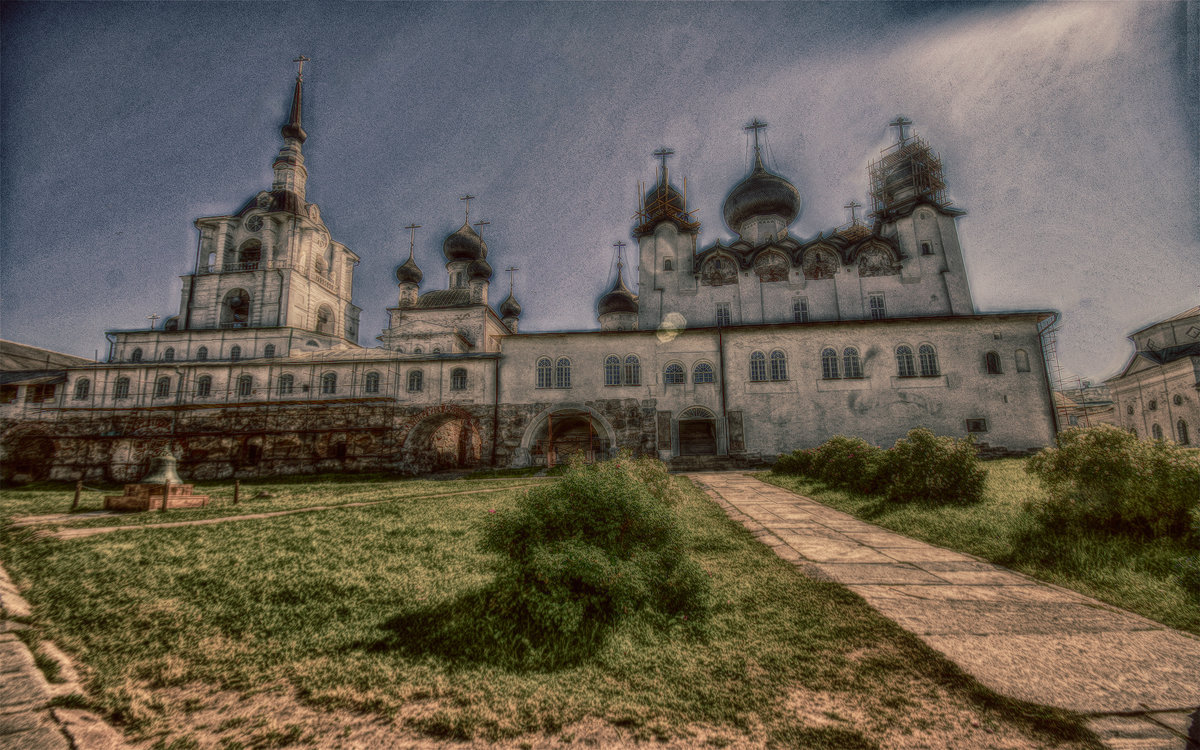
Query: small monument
x,y
160,487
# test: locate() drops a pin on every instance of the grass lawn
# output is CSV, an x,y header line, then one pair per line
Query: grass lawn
x,y
1138,576
299,630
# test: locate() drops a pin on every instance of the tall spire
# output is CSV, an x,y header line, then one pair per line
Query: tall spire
x,y
293,129
290,174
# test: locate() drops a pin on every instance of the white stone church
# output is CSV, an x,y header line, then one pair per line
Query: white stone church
x,y
728,353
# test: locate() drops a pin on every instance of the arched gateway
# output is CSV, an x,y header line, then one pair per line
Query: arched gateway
x,y
563,432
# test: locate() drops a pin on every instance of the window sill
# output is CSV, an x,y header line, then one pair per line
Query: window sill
x,y
844,384
922,381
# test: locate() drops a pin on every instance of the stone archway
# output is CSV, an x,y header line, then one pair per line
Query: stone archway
x,y
440,438
26,454
563,431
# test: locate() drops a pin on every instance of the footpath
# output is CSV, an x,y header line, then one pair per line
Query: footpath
x,y
1136,680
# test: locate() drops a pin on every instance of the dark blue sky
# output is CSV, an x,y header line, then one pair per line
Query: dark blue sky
x,y
1068,133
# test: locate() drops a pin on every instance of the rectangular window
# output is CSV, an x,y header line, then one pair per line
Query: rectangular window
x,y
723,316
926,248
977,425
878,311
800,310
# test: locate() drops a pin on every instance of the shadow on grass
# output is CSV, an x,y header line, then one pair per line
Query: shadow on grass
x,y
483,627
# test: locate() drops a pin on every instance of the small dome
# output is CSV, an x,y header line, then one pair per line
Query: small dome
x,y
510,308
464,244
761,194
408,273
619,300
479,270
663,200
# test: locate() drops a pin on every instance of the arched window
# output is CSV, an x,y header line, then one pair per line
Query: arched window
x,y
249,255
269,350
235,353
235,309
329,382
667,265
371,382
633,370
1129,410
929,362
829,364
1181,432
286,384
905,366
562,373
245,386
544,373
1156,431
121,389
458,379
1022,358
612,370
169,354
162,387
416,381
136,355
1177,400
702,373
991,362
417,350
203,386
674,375
324,319
851,364
758,366
202,353
1153,405
83,388
778,365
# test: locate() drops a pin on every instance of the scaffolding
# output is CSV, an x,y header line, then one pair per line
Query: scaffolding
x,y
1054,373
905,172
665,203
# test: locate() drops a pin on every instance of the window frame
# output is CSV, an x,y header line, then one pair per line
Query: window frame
x,y
371,382
877,305
800,309
671,377
83,389
906,363
724,315
830,364
927,360
632,370
562,372
245,386
169,354
162,387
544,372
416,381
709,372
121,389
458,379
329,384
286,384
852,368
778,360
758,367
612,370
991,363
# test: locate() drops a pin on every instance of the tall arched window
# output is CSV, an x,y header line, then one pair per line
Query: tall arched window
x,y
169,354
203,386
162,387
778,365
202,353
269,350
136,355
991,362
1022,358
324,319
245,386
329,383
562,373
545,373
83,389
702,373
673,375
829,364
121,389
1181,432
612,370
371,382
905,366
851,364
286,384
1156,431
633,370
758,366
458,379
235,309
235,353
929,361
416,381
249,255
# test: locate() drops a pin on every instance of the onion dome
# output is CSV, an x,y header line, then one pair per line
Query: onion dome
x,y
761,194
408,273
619,300
464,244
479,270
510,308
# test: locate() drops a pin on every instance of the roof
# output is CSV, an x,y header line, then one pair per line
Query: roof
x,y
445,298
1188,313
33,377
14,356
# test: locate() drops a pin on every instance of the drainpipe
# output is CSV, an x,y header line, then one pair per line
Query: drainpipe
x,y
495,408
721,360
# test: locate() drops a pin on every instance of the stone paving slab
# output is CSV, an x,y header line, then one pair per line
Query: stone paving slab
x,y
1138,679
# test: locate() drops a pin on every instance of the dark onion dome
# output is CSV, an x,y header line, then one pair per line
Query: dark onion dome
x,y
620,299
464,244
663,200
408,273
479,270
761,194
510,308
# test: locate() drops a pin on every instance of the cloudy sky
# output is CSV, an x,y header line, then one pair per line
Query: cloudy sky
x,y
1068,132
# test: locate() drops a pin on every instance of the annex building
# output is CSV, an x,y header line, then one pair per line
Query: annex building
x,y
1155,396
727,354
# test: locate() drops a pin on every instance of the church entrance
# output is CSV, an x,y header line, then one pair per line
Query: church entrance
x,y
568,434
697,432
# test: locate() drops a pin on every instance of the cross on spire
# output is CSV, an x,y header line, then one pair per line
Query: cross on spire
x,y
900,123
481,224
510,271
756,125
301,59
468,199
412,238
153,319
853,205
619,245
662,154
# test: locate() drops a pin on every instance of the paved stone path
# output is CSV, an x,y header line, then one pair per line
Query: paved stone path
x,y
1138,680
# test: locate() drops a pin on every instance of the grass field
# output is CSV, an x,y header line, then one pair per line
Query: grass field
x,y
362,626
1138,576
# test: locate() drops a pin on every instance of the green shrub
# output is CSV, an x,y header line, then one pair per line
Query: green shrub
x,y
1105,478
798,462
849,462
599,544
923,467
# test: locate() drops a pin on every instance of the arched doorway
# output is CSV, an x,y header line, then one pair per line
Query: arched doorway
x,y
697,432
565,432
442,439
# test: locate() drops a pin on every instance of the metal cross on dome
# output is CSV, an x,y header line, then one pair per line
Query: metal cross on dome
x,y
301,59
412,237
153,319
900,123
510,270
662,154
853,205
468,198
481,224
756,125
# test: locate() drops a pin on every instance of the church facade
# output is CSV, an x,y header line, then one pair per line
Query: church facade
x,y
730,353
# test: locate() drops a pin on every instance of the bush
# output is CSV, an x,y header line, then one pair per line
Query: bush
x,y
849,462
1104,478
599,544
799,462
923,467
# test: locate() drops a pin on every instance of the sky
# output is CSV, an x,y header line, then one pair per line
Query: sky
x,y
1068,133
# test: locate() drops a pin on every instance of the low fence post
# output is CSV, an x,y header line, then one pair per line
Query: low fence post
x,y
237,486
78,492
